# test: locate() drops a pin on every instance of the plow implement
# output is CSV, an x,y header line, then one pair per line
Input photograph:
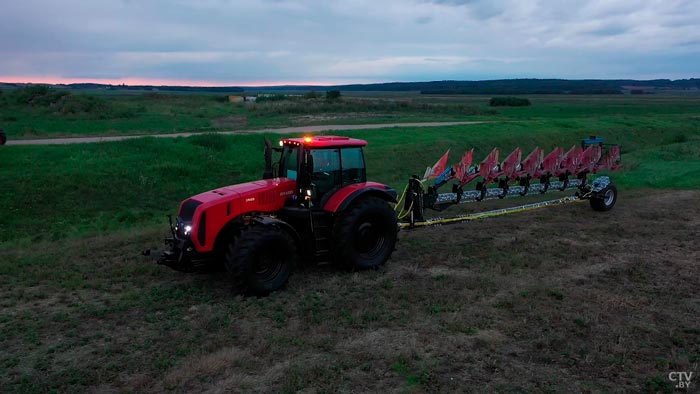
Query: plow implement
x,y
515,176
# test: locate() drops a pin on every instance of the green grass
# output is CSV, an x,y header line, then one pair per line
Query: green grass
x,y
56,191
469,307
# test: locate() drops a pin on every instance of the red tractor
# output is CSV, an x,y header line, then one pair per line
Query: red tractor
x,y
315,202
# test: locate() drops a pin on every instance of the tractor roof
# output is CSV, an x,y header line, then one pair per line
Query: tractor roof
x,y
324,141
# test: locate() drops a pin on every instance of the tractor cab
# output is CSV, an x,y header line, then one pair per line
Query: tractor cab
x,y
322,165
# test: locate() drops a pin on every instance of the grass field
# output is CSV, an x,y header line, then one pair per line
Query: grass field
x,y
47,113
564,300
41,113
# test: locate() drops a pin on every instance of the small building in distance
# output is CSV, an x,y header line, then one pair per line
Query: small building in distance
x,y
236,99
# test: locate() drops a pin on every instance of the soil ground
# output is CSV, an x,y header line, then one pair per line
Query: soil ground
x,y
563,300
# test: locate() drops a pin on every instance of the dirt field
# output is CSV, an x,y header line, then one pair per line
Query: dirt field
x,y
552,301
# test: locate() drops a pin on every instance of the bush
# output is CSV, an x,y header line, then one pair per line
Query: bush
x,y
38,95
509,102
333,95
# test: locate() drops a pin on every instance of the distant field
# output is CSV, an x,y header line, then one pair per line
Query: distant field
x,y
561,300
102,112
55,113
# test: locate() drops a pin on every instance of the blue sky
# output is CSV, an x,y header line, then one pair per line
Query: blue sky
x,y
253,42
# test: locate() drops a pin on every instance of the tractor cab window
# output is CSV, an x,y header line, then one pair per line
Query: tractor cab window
x,y
326,174
353,162
289,163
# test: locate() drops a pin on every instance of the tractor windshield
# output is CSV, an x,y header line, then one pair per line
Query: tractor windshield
x,y
289,163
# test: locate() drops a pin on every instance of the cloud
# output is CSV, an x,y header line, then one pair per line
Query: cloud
x,y
283,40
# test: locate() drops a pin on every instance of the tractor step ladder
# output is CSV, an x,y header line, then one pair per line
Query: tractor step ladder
x,y
321,227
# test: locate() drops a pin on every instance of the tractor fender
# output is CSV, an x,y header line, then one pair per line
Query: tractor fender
x,y
270,221
342,198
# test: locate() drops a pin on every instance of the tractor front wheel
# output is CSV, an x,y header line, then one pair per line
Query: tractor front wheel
x,y
261,260
365,235
605,199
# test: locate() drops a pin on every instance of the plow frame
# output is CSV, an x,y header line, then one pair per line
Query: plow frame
x,y
415,200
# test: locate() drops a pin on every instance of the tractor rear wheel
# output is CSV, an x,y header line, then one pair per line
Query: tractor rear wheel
x,y
605,199
365,235
261,260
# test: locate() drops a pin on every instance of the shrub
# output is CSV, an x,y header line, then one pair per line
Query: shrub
x,y
333,95
509,102
38,95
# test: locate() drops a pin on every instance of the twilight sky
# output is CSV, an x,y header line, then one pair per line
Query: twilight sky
x,y
254,42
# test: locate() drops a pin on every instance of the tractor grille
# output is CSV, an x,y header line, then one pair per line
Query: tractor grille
x,y
266,198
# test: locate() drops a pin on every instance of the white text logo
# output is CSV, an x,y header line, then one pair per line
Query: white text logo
x,y
681,379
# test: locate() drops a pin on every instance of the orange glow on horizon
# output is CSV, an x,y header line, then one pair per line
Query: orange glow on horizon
x,y
163,82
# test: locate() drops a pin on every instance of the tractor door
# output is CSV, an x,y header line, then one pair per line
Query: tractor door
x,y
327,174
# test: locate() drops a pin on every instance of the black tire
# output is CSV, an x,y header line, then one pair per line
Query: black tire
x,y
605,199
364,236
261,260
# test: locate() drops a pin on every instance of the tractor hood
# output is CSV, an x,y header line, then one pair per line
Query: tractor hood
x,y
210,211
258,195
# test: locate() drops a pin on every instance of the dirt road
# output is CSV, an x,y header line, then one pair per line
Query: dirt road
x,y
284,130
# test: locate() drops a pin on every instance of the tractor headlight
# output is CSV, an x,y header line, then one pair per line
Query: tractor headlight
x,y
183,228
